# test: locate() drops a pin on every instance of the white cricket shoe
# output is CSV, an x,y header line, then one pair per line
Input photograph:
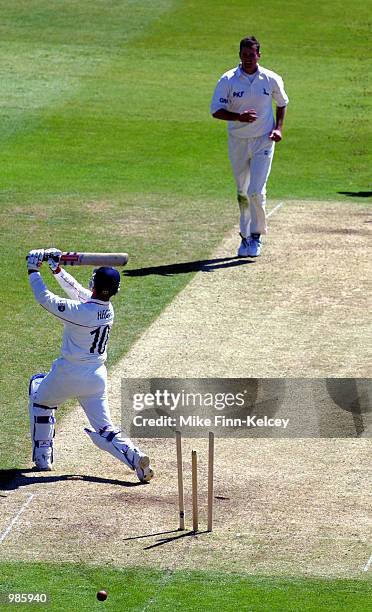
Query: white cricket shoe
x,y
254,247
144,470
244,246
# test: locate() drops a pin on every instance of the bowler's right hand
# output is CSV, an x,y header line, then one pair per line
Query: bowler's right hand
x,y
248,116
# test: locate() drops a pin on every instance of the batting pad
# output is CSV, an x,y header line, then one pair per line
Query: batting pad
x,y
42,425
120,448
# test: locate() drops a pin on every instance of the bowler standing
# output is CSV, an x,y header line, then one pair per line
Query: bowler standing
x,y
244,98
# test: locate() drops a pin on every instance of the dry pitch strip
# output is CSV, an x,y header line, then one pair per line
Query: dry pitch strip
x,y
194,480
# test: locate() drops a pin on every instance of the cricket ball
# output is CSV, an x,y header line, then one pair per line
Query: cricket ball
x,y
101,595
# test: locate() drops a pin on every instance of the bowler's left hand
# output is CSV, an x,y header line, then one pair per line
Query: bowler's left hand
x,y
276,135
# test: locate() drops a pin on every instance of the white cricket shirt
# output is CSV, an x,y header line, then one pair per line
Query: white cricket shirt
x,y
87,321
236,92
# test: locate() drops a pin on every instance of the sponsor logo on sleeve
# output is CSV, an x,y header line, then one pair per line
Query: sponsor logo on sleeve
x,y
61,306
223,100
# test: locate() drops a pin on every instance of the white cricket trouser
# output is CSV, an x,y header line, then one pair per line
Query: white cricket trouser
x,y
251,160
86,383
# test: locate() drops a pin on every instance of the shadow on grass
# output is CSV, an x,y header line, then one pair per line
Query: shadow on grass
x,y
357,194
11,480
203,265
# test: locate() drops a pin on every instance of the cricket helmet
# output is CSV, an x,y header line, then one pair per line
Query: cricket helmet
x,y
105,280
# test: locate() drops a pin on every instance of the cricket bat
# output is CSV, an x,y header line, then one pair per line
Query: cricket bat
x,y
93,259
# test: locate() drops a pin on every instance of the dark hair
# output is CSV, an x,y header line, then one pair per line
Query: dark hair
x,y
249,41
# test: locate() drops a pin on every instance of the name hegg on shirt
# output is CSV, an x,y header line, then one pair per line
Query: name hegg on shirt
x,y
103,314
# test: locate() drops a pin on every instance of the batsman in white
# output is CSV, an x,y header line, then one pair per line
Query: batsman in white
x,y
80,371
244,98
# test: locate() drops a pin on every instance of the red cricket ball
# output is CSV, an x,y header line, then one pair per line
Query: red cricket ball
x,y
101,595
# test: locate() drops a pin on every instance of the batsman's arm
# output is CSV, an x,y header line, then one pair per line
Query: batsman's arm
x,y
67,282
67,310
71,287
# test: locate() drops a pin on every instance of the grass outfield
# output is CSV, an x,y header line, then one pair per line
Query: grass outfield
x,y
70,586
115,99
107,143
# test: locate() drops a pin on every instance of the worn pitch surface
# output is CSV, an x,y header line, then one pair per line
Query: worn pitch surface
x,y
299,506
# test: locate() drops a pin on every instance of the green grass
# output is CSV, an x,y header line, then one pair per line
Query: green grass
x,y
106,143
115,99
71,586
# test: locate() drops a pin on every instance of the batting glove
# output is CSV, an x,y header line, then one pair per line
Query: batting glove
x,y
54,256
35,260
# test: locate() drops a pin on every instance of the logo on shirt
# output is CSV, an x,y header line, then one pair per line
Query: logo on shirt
x,y
265,92
223,100
238,94
61,307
